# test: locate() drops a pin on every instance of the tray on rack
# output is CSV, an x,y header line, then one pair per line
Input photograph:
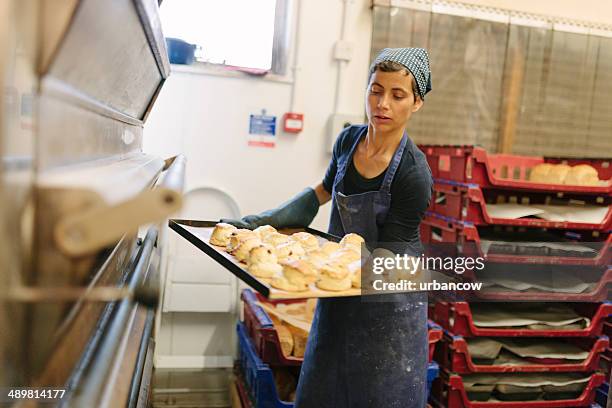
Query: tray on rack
x,y
449,392
458,319
470,203
472,164
505,244
198,233
598,291
454,355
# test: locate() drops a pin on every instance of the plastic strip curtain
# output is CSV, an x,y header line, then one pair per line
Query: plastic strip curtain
x,y
565,101
507,87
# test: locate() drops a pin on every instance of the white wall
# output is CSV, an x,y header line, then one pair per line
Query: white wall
x,y
206,116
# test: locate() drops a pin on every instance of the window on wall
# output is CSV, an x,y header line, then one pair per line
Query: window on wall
x,y
524,85
237,33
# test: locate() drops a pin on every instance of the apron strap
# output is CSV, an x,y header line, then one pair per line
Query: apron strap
x,y
393,166
343,165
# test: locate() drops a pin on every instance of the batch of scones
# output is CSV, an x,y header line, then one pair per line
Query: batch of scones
x,y
292,263
578,175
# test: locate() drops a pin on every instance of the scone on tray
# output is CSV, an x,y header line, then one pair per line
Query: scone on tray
x,y
539,172
221,234
334,270
334,285
241,252
330,247
355,271
276,238
317,258
299,272
307,240
265,269
264,231
582,175
282,283
352,239
557,174
289,250
345,255
262,253
334,276
237,237
262,262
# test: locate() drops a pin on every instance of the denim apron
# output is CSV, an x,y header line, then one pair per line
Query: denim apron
x,y
363,353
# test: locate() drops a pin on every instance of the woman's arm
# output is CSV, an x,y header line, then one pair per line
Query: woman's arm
x,y
322,194
409,201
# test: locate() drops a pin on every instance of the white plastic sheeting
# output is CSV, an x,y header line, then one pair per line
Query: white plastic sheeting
x,y
504,84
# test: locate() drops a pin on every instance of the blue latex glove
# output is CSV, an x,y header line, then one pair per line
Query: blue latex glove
x,y
297,212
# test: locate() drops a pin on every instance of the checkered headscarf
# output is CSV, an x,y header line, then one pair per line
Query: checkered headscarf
x,y
415,60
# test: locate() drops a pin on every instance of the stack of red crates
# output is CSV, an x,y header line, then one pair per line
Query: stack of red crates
x,y
466,179
264,339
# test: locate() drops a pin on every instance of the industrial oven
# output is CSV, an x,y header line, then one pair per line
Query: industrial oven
x,y
78,282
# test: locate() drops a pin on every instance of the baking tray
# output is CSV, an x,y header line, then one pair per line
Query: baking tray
x,y
457,319
454,355
198,233
449,392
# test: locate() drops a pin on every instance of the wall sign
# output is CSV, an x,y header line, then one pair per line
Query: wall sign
x,y
262,130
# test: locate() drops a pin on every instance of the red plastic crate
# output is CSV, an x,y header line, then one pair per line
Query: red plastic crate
x,y
456,317
243,394
606,358
260,328
466,202
434,335
453,354
449,392
606,363
600,293
472,164
265,337
436,229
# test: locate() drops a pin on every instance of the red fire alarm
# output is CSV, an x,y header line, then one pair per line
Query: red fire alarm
x,y
293,122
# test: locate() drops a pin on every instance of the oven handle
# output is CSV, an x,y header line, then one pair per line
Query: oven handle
x,y
87,232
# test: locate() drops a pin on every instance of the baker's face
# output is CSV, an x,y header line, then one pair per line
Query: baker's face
x,y
390,101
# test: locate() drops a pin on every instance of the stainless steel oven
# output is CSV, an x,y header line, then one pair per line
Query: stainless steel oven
x,y
78,285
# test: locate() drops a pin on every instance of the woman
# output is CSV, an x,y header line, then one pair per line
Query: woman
x,y
364,353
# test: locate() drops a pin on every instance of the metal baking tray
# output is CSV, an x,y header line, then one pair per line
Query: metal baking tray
x,y
198,233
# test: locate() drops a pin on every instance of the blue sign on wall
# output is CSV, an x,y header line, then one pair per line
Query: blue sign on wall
x,y
262,125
